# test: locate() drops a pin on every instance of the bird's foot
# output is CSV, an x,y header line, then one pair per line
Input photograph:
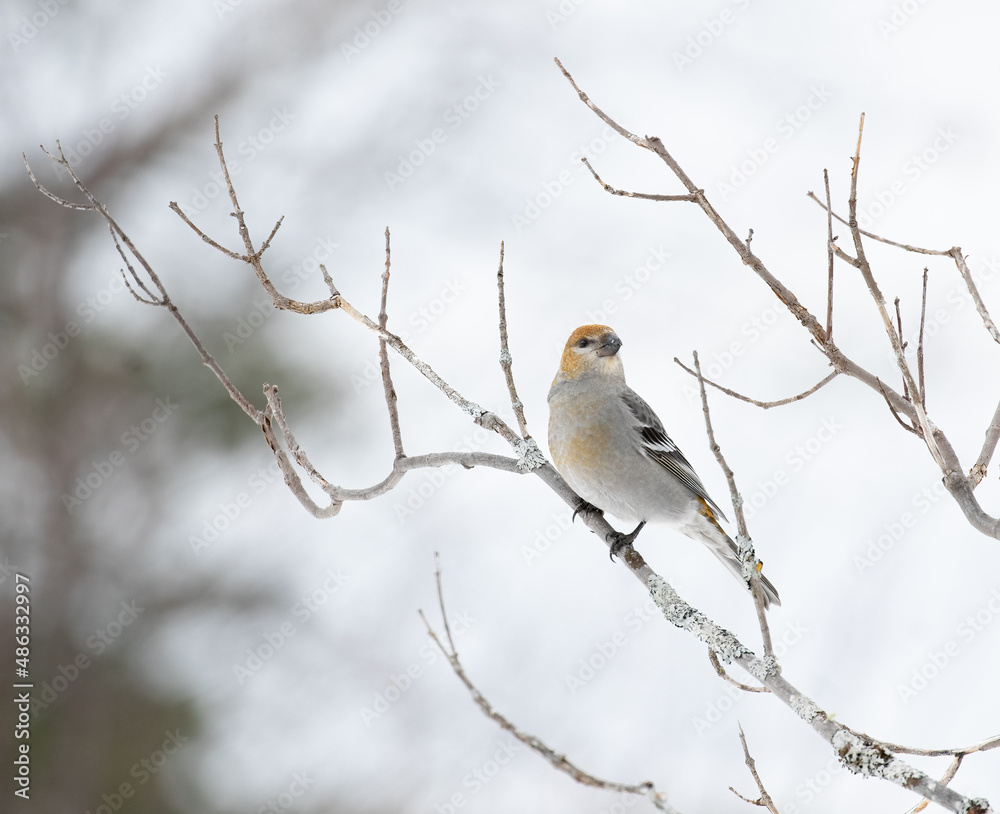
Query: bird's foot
x,y
618,540
586,509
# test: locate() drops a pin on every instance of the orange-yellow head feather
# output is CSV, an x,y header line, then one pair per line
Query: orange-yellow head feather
x,y
591,350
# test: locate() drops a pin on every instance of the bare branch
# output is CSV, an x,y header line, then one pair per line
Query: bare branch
x,y
955,253
920,341
982,746
506,360
163,300
174,207
721,672
765,405
899,330
559,762
873,236
910,387
764,800
383,359
963,269
61,160
643,195
979,468
751,565
829,254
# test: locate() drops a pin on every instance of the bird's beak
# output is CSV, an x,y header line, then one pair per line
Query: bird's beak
x,y
610,345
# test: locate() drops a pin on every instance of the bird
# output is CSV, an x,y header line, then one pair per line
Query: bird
x,y
614,452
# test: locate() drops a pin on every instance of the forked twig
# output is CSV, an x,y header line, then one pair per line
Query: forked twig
x,y
764,800
558,761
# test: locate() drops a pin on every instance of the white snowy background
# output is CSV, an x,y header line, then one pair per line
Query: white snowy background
x,y
333,127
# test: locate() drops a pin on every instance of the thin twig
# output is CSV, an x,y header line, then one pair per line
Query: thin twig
x,y
383,359
955,253
920,341
899,330
906,247
766,405
163,299
626,194
746,546
506,360
829,254
895,339
560,762
943,452
721,671
946,778
982,746
175,208
764,800
895,413
963,268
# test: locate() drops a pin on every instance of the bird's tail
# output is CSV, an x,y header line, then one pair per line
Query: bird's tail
x,y
723,547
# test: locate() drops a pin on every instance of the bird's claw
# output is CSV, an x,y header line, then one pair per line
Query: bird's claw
x,y
618,541
585,508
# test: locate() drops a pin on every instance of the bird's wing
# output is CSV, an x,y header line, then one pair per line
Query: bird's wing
x,y
656,444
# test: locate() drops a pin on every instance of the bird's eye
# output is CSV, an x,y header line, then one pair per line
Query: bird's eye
x,y
583,343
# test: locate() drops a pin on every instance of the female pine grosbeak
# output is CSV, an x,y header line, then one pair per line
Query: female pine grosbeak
x,y
612,450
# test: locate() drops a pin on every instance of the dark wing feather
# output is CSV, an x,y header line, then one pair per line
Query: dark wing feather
x,y
656,444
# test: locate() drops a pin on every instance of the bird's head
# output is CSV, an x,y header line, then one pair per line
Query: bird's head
x,y
591,350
